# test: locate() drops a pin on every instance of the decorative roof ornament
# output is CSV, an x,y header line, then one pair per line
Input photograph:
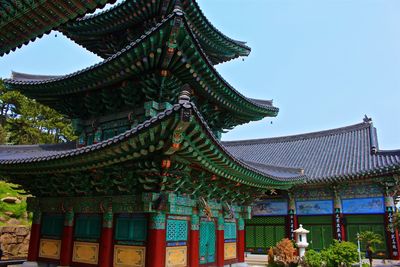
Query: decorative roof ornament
x,y
184,97
206,208
367,119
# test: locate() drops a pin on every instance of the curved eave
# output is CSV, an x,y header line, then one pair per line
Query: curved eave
x,y
123,64
24,21
132,145
131,13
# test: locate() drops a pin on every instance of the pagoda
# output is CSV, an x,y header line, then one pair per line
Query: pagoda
x,y
148,182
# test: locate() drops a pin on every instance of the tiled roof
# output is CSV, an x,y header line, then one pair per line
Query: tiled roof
x,y
37,86
23,152
336,154
14,155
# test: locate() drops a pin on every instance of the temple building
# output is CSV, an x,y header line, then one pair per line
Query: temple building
x,y
350,188
149,181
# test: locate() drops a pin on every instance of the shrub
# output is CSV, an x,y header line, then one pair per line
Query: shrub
x,y
285,253
340,252
313,258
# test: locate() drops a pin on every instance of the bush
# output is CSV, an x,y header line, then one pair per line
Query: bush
x,y
313,258
333,256
285,253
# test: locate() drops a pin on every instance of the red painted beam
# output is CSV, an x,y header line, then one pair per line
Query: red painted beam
x,y
220,247
33,251
156,241
106,240
66,246
194,248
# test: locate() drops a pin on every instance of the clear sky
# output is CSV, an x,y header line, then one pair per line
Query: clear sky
x,y
324,63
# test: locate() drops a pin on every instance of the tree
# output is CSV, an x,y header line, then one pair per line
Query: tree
x,y
369,237
25,121
285,253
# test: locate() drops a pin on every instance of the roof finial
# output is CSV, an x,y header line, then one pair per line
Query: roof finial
x,y
184,97
367,119
178,7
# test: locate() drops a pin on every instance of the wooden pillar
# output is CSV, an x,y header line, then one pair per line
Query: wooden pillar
x,y
337,223
391,233
34,241
240,240
106,240
67,240
156,243
220,241
194,240
292,217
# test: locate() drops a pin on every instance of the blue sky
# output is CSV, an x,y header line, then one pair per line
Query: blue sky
x,y
324,63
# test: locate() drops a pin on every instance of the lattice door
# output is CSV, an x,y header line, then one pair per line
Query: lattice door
x,y
207,242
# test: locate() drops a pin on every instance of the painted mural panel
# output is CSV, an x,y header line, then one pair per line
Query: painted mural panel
x,y
129,256
371,205
50,248
314,207
270,208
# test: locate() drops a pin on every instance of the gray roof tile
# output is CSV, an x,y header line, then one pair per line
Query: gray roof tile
x,y
327,155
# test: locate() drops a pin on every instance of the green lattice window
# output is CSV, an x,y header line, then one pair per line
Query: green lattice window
x,y
320,236
87,226
207,242
230,230
360,223
129,228
52,225
259,238
266,220
177,230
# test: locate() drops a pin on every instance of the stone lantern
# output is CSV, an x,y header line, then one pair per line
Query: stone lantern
x,y
301,239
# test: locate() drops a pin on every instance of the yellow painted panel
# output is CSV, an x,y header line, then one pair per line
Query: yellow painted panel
x,y
176,257
230,251
85,252
50,249
129,256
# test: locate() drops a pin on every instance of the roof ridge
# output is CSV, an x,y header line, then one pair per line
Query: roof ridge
x,y
309,135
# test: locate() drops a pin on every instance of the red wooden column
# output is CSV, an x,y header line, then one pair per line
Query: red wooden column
x,y
292,223
220,241
391,233
156,241
106,240
337,223
194,240
240,240
67,239
33,251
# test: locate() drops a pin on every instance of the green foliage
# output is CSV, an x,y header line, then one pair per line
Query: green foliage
x,y
334,255
3,135
396,220
341,252
25,121
369,237
17,210
313,258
